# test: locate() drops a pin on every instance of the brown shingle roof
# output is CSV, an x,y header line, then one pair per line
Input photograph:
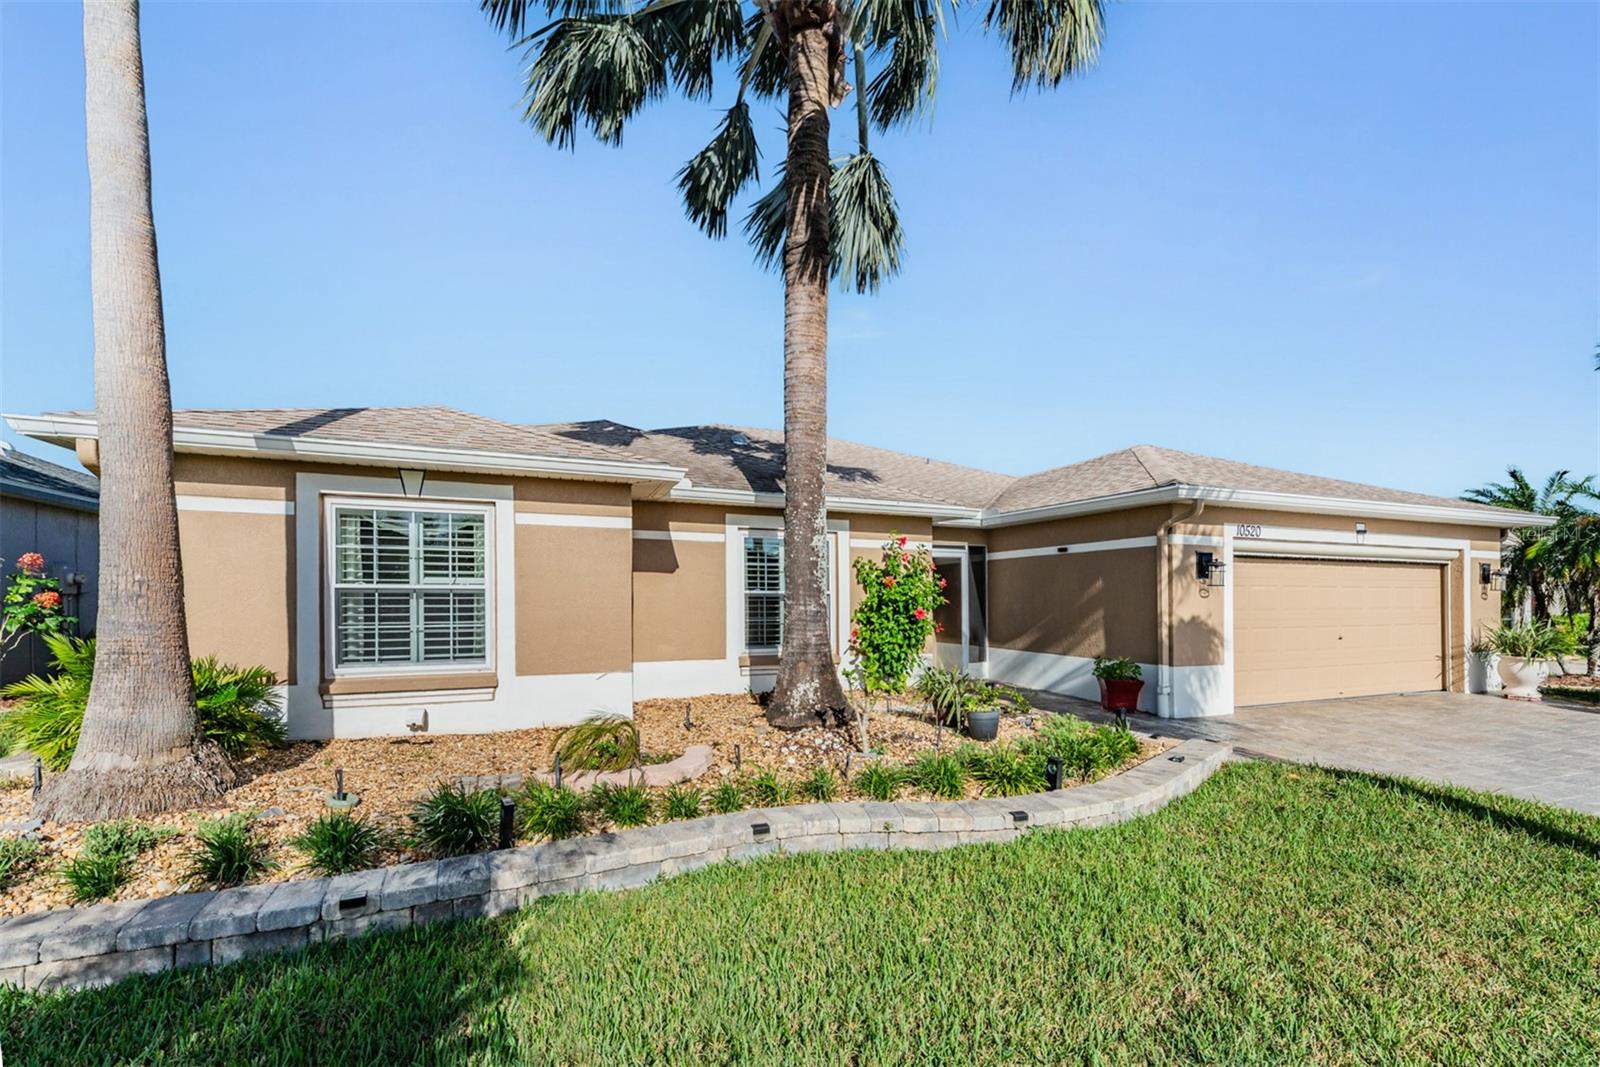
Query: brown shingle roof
x,y
1149,466
746,459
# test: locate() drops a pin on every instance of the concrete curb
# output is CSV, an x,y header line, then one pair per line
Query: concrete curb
x,y
76,947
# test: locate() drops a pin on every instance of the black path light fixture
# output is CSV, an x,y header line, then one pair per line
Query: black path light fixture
x,y
1052,772
508,822
1209,569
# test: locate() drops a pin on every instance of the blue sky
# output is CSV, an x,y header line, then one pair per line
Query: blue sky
x,y
1357,240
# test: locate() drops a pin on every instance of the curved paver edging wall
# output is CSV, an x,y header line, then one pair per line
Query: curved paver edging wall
x,y
72,947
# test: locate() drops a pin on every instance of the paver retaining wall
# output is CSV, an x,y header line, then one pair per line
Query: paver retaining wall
x,y
73,947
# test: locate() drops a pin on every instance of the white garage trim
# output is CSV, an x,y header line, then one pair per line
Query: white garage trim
x,y
1370,553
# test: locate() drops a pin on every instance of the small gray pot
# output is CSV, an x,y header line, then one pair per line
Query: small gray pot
x,y
983,725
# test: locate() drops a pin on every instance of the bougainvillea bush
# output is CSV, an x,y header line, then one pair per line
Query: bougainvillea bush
x,y
32,603
894,620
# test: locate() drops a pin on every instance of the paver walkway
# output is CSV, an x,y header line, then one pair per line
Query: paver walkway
x,y
1537,751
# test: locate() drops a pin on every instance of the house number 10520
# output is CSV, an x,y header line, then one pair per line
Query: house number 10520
x,y
1247,529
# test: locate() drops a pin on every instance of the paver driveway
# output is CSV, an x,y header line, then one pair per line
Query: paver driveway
x,y
1538,751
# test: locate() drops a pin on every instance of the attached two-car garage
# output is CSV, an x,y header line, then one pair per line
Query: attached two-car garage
x,y
1317,629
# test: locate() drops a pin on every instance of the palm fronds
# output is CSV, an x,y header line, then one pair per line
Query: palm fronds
x,y
718,172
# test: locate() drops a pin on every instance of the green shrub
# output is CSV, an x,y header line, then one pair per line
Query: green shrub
x,y
1536,641
237,706
452,821
820,785
727,798
682,802
770,791
95,876
1005,770
621,805
1116,669
337,842
599,743
943,775
550,812
1586,694
881,780
1084,750
229,852
124,837
17,857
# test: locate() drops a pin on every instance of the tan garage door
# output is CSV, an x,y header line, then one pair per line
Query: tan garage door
x,y
1317,629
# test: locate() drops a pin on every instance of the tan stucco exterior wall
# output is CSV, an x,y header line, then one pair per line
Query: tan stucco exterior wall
x,y
238,567
574,590
679,586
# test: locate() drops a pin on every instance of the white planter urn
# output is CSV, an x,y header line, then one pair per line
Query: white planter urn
x,y
1522,677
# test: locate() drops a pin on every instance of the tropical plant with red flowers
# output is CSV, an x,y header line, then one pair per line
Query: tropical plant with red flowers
x,y
892,624
32,603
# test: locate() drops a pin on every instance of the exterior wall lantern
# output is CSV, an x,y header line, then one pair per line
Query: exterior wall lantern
x,y
1492,577
411,481
1209,569
1361,533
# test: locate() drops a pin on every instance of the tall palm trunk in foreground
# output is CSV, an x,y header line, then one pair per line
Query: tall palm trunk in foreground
x,y
138,752
808,683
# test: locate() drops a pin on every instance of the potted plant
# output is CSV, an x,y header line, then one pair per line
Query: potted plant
x,y
1121,679
981,708
1525,654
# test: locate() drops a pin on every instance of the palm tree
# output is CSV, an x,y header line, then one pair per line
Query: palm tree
x,y
138,752
1571,554
1528,575
599,62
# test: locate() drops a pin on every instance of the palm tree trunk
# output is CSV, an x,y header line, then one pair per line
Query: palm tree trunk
x,y
137,753
808,688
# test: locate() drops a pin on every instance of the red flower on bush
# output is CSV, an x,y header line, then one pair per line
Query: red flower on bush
x,y
889,581
938,627
943,583
48,599
902,541
31,562
855,632
905,558
920,613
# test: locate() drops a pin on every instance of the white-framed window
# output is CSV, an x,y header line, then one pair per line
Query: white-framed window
x,y
410,586
763,589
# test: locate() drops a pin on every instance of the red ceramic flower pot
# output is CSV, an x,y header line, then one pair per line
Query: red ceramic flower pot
x,y
1120,694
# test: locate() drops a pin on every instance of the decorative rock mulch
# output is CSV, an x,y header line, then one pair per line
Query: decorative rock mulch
x,y
285,787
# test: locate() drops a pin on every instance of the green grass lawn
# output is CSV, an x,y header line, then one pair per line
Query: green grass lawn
x,y
1278,915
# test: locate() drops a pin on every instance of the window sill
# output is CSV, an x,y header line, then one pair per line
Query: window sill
x,y
407,683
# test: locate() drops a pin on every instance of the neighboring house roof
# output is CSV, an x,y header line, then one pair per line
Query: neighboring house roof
x,y
32,478
735,464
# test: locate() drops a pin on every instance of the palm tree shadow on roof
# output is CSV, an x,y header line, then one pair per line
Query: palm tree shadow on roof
x,y
759,461
312,423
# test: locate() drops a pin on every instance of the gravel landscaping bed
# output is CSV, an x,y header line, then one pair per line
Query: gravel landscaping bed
x,y
284,788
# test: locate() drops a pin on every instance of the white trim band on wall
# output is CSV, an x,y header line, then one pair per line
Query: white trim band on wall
x,y
544,518
1082,546
238,504
872,543
678,535
1370,553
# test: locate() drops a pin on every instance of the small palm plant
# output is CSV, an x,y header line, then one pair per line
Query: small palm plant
x,y
599,743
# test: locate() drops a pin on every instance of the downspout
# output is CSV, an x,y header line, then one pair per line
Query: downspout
x,y
1164,608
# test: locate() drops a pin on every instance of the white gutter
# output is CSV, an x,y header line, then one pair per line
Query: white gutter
x,y
698,494
1265,501
60,429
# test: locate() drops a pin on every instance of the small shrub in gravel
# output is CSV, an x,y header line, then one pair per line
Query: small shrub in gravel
x,y
770,791
942,775
682,802
621,805
1005,770
17,857
338,842
727,798
229,852
820,785
880,780
452,821
124,837
550,812
94,875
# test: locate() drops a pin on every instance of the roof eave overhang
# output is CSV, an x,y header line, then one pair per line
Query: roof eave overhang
x,y
944,514
650,479
1266,501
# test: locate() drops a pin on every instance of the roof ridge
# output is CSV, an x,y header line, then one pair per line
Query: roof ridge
x,y
1154,464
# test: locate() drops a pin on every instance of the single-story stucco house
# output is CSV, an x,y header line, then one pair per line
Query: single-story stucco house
x,y
52,510
425,568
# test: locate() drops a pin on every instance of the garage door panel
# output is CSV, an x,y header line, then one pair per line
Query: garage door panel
x,y
1318,629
